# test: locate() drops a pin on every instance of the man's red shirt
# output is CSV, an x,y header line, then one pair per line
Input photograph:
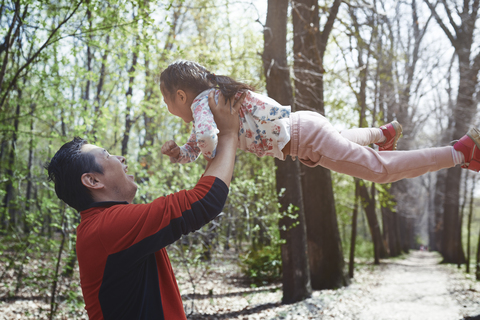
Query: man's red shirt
x,y
125,272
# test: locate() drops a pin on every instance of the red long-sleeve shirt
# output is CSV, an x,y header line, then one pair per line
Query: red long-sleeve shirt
x,y
125,272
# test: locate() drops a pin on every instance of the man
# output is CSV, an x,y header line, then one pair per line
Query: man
x,y
125,272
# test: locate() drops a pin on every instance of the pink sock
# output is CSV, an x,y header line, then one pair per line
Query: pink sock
x,y
458,157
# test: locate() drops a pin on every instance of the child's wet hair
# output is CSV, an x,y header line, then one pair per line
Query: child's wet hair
x,y
191,76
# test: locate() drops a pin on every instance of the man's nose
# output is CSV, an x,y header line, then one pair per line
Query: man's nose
x,y
122,159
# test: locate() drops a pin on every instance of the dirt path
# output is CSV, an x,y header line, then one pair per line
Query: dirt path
x,y
417,287
414,288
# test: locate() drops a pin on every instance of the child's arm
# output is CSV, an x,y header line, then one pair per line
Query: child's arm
x,y
206,130
184,154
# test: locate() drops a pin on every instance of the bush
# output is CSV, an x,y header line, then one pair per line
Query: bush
x,y
262,266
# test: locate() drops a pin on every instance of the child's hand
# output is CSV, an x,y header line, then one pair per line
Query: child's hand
x,y
171,149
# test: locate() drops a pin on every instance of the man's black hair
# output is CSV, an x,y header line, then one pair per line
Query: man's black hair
x,y
66,169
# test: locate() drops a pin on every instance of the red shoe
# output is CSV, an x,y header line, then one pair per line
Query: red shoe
x,y
469,145
392,131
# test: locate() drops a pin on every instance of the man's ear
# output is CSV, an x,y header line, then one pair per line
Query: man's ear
x,y
90,181
182,95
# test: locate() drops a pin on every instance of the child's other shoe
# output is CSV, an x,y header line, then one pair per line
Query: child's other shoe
x,y
469,145
392,131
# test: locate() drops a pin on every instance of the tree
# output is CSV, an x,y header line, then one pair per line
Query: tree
x,y
363,47
459,26
296,273
309,46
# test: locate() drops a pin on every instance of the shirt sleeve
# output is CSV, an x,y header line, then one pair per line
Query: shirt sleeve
x,y
206,130
189,152
151,227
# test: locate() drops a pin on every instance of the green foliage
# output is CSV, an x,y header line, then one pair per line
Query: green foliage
x,y
262,266
363,248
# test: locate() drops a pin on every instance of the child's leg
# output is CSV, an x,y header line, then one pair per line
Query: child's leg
x,y
363,136
385,137
316,142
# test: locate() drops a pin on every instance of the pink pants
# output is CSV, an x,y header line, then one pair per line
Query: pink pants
x,y
316,143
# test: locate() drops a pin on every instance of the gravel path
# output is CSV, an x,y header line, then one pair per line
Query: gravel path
x,y
417,287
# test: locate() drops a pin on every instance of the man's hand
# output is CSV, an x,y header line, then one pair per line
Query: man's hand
x,y
225,113
171,149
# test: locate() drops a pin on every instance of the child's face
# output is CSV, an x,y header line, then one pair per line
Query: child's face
x,y
178,104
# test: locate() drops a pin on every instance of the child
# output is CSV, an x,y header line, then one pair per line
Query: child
x,y
269,129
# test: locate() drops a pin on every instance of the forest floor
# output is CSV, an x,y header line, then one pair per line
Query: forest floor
x,y
416,286
412,287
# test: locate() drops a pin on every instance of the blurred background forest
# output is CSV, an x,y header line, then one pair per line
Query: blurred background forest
x,y
89,68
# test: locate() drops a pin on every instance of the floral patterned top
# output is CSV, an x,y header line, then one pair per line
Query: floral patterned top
x,y
264,127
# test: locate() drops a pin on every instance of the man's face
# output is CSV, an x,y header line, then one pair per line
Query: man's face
x,y
118,185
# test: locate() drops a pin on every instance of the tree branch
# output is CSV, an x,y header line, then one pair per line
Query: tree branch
x,y
6,45
327,29
452,39
29,61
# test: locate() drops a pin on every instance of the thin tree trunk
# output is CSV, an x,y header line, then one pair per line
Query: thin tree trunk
x,y
128,117
8,214
86,96
477,268
101,80
469,226
53,293
353,239
439,195
28,196
462,211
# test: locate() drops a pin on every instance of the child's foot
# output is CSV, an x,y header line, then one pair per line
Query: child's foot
x,y
469,145
392,132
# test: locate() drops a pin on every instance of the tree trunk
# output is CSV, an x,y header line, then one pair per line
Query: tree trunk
x,y
324,244
469,226
28,196
402,78
8,215
295,266
101,81
128,117
86,96
463,28
477,269
368,201
296,273
353,239
390,234
439,195
463,114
